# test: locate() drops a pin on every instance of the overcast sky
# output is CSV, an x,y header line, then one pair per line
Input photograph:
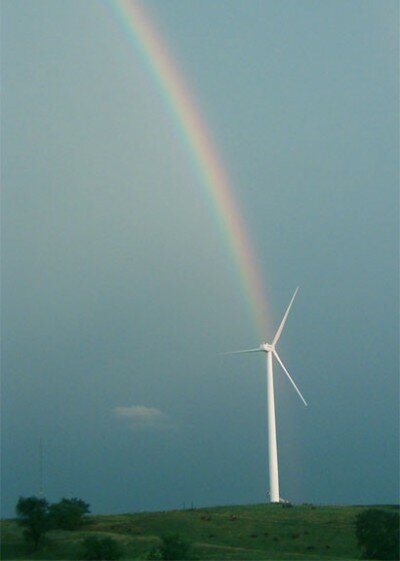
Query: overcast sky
x,y
118,287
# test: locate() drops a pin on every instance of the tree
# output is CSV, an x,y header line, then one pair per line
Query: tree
x,y
68,514
377,533
33,515
99,549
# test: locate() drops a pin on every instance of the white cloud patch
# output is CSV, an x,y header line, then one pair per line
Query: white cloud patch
x,y
142,417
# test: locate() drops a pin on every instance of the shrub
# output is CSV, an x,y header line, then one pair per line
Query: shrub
x,y
377,533
172,548
154,554
101,549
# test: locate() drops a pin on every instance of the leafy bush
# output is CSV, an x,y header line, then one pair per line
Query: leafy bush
x,y
68,514
172,548
101,549
377,534
154,554
33,515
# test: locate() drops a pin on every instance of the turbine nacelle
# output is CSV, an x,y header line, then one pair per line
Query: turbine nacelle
x,y
267,348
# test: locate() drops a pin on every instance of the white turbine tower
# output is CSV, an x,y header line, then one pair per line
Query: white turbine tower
x,y
270,350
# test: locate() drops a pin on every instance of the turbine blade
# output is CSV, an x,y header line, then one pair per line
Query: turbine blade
x,y
245,351
290,378
282,325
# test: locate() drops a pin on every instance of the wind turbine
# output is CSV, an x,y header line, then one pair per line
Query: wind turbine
x,y
270,350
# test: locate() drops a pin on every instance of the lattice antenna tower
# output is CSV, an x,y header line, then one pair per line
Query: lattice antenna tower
x,y
41,484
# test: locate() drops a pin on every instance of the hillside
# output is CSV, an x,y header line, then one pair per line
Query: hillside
x,y
234,532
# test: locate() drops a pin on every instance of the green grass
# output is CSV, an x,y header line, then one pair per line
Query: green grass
x,y
258,532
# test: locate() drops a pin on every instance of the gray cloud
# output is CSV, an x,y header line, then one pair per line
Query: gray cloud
x,y
142,417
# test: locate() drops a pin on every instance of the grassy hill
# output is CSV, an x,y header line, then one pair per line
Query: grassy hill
x,y
234,532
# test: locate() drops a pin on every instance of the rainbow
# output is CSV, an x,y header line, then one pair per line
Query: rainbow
x,y
142,35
